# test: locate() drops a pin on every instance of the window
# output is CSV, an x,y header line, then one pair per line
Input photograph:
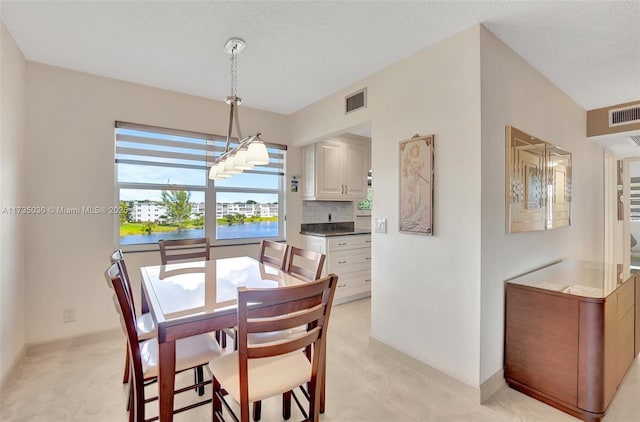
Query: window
x,y
364,206
164,191
635,199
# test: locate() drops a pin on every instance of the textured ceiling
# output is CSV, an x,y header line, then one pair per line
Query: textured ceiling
x,y
300,52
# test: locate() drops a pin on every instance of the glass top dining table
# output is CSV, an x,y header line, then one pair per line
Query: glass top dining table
x,y
192,298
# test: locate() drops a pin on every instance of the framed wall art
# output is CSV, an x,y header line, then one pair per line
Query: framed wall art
x,y
416,185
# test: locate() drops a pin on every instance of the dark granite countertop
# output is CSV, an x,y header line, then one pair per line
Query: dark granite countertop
x,y
331,229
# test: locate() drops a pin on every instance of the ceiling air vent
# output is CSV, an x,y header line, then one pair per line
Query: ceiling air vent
x,y
635,139
356,101
624,116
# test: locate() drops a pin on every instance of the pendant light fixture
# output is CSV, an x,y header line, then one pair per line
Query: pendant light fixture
x,y
251,151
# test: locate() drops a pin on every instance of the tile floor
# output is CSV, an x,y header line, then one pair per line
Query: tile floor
x,y
82,383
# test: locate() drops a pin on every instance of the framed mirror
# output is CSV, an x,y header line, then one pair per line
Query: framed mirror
x,y
558,187
525,199
537,183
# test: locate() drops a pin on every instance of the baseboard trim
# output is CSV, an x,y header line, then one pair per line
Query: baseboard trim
x,y
492,385
57,345
351,298
425,369
14,367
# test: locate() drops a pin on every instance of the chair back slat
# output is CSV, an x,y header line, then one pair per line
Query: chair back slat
x,y
280,348
297,319
181,250
278,309
274,253
305,264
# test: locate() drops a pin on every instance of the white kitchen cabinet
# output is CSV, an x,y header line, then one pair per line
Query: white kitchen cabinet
x,y
336,170
349,257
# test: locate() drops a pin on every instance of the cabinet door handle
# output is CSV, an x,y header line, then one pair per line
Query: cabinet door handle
x,y
342,244
346,189
342,262
368,280
368,258
342,285
367,241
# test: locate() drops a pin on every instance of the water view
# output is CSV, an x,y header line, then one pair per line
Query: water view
x,y
235,231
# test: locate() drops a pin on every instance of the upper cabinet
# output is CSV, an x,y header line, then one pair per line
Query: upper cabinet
x,y
336,170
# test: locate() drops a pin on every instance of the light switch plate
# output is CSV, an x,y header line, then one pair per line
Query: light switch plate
x,y
381,225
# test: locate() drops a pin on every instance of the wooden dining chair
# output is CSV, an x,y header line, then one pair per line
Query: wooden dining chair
x,y
256,372
271,253
183,250
305,264
274,253
191,352
145,326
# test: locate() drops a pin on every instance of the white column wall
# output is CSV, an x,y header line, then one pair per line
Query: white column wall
x,y
514,93
425,290
12,226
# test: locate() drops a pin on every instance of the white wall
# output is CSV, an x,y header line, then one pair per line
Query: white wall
x,y
70,144
513,93
12,227
425,290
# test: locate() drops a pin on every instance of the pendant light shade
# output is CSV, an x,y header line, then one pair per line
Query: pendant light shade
x,y
212,172
257,153
240,160
220,171
228,166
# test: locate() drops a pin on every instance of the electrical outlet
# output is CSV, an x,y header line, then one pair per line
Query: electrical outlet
x,y
68,315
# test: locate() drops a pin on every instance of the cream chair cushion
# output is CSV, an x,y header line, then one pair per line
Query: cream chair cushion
x,y
145,327
268,377
190,352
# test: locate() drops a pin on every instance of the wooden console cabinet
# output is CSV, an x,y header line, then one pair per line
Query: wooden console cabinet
x,y
571,332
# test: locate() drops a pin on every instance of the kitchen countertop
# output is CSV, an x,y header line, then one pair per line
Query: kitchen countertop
x,y
335,233
332,229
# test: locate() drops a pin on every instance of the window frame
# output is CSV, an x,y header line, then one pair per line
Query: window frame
x,y
210,189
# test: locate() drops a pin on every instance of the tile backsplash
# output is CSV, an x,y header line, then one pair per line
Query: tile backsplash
x,y
318,211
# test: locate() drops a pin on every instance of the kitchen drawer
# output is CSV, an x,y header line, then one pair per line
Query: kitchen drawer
x,y
339,243
353,285
349,261
362,278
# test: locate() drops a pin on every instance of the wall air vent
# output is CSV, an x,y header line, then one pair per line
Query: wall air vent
x,y
356,101
624,116
635,139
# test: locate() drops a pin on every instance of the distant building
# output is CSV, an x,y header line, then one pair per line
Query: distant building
x,y
197,210
141,212
269,210
147,211
225,208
